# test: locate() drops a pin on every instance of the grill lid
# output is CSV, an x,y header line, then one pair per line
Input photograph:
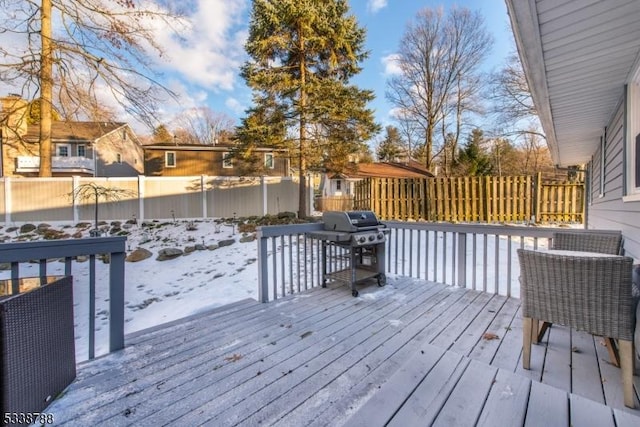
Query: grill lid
x,y
349,221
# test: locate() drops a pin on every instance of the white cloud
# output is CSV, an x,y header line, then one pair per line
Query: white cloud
x,y
211,48
390,64
375,5
235,105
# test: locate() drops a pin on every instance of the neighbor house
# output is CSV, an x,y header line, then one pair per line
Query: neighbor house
x,y
171,159
342,184
582,63
101,149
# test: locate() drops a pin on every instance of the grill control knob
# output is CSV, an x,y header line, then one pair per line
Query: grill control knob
x,y
372,238
380,236
362,239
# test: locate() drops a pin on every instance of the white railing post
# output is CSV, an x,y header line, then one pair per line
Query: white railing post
x,y
263,268
116,301
462,260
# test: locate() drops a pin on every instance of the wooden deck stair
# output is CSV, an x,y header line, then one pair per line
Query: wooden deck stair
x,y
315,358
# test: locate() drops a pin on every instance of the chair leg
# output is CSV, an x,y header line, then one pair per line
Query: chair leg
x,y
626,364
528,331
614,356
543,329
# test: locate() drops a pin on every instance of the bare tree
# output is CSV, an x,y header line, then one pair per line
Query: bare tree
x,y
65,52
92,192
512,105
439,57
409,130
203,126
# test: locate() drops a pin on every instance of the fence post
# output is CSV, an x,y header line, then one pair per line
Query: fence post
x,y
537,189
7,200
263,268
141,184
203,196
265,201
75,183
309,196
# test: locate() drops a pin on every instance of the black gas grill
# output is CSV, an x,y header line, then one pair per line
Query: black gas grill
x,y
353,248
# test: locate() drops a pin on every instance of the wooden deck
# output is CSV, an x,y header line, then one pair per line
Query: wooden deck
x,y
411,353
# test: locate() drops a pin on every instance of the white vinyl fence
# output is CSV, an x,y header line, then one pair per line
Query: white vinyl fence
x,y
50,199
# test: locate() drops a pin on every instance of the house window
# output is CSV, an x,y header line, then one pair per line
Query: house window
x,y
339,185
227,161
268,161
124,134
82,150
633,139
118,158
170,159
62,150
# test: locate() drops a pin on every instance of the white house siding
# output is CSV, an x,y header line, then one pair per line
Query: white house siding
x,y
606,209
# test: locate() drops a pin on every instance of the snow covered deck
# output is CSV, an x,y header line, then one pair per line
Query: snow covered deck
x,y
413,352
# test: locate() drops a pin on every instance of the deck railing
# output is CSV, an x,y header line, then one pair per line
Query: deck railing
x,y
476,256
42,251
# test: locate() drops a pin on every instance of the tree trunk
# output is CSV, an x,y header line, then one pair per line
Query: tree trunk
x,y
428,146
46,88
302,189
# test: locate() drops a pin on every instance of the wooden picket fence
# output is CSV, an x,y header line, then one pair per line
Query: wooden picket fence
x,y
334,203
472,199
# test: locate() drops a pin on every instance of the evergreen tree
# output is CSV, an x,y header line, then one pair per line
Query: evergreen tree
x,y
302,55
472,159
391,146
161,134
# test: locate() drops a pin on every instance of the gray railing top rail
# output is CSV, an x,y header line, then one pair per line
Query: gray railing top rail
x,y
285,230
45,249
504,230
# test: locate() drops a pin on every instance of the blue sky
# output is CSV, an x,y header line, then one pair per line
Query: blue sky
x,y
204,68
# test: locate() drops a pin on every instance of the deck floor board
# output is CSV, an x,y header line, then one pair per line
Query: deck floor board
x,y
411,352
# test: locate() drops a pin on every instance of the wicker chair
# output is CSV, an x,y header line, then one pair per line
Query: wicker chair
x,y
587,293
588,242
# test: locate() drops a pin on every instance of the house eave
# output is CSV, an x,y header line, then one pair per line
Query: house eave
x,y
577,58
524,22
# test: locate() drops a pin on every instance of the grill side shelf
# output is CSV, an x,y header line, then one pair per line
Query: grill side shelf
x,y
331,236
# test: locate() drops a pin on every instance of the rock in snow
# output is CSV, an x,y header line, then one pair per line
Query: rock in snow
x,y
168,253
138,255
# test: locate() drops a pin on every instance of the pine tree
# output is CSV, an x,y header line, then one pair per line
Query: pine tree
x,y
162,134
302,55
391,146
472,159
